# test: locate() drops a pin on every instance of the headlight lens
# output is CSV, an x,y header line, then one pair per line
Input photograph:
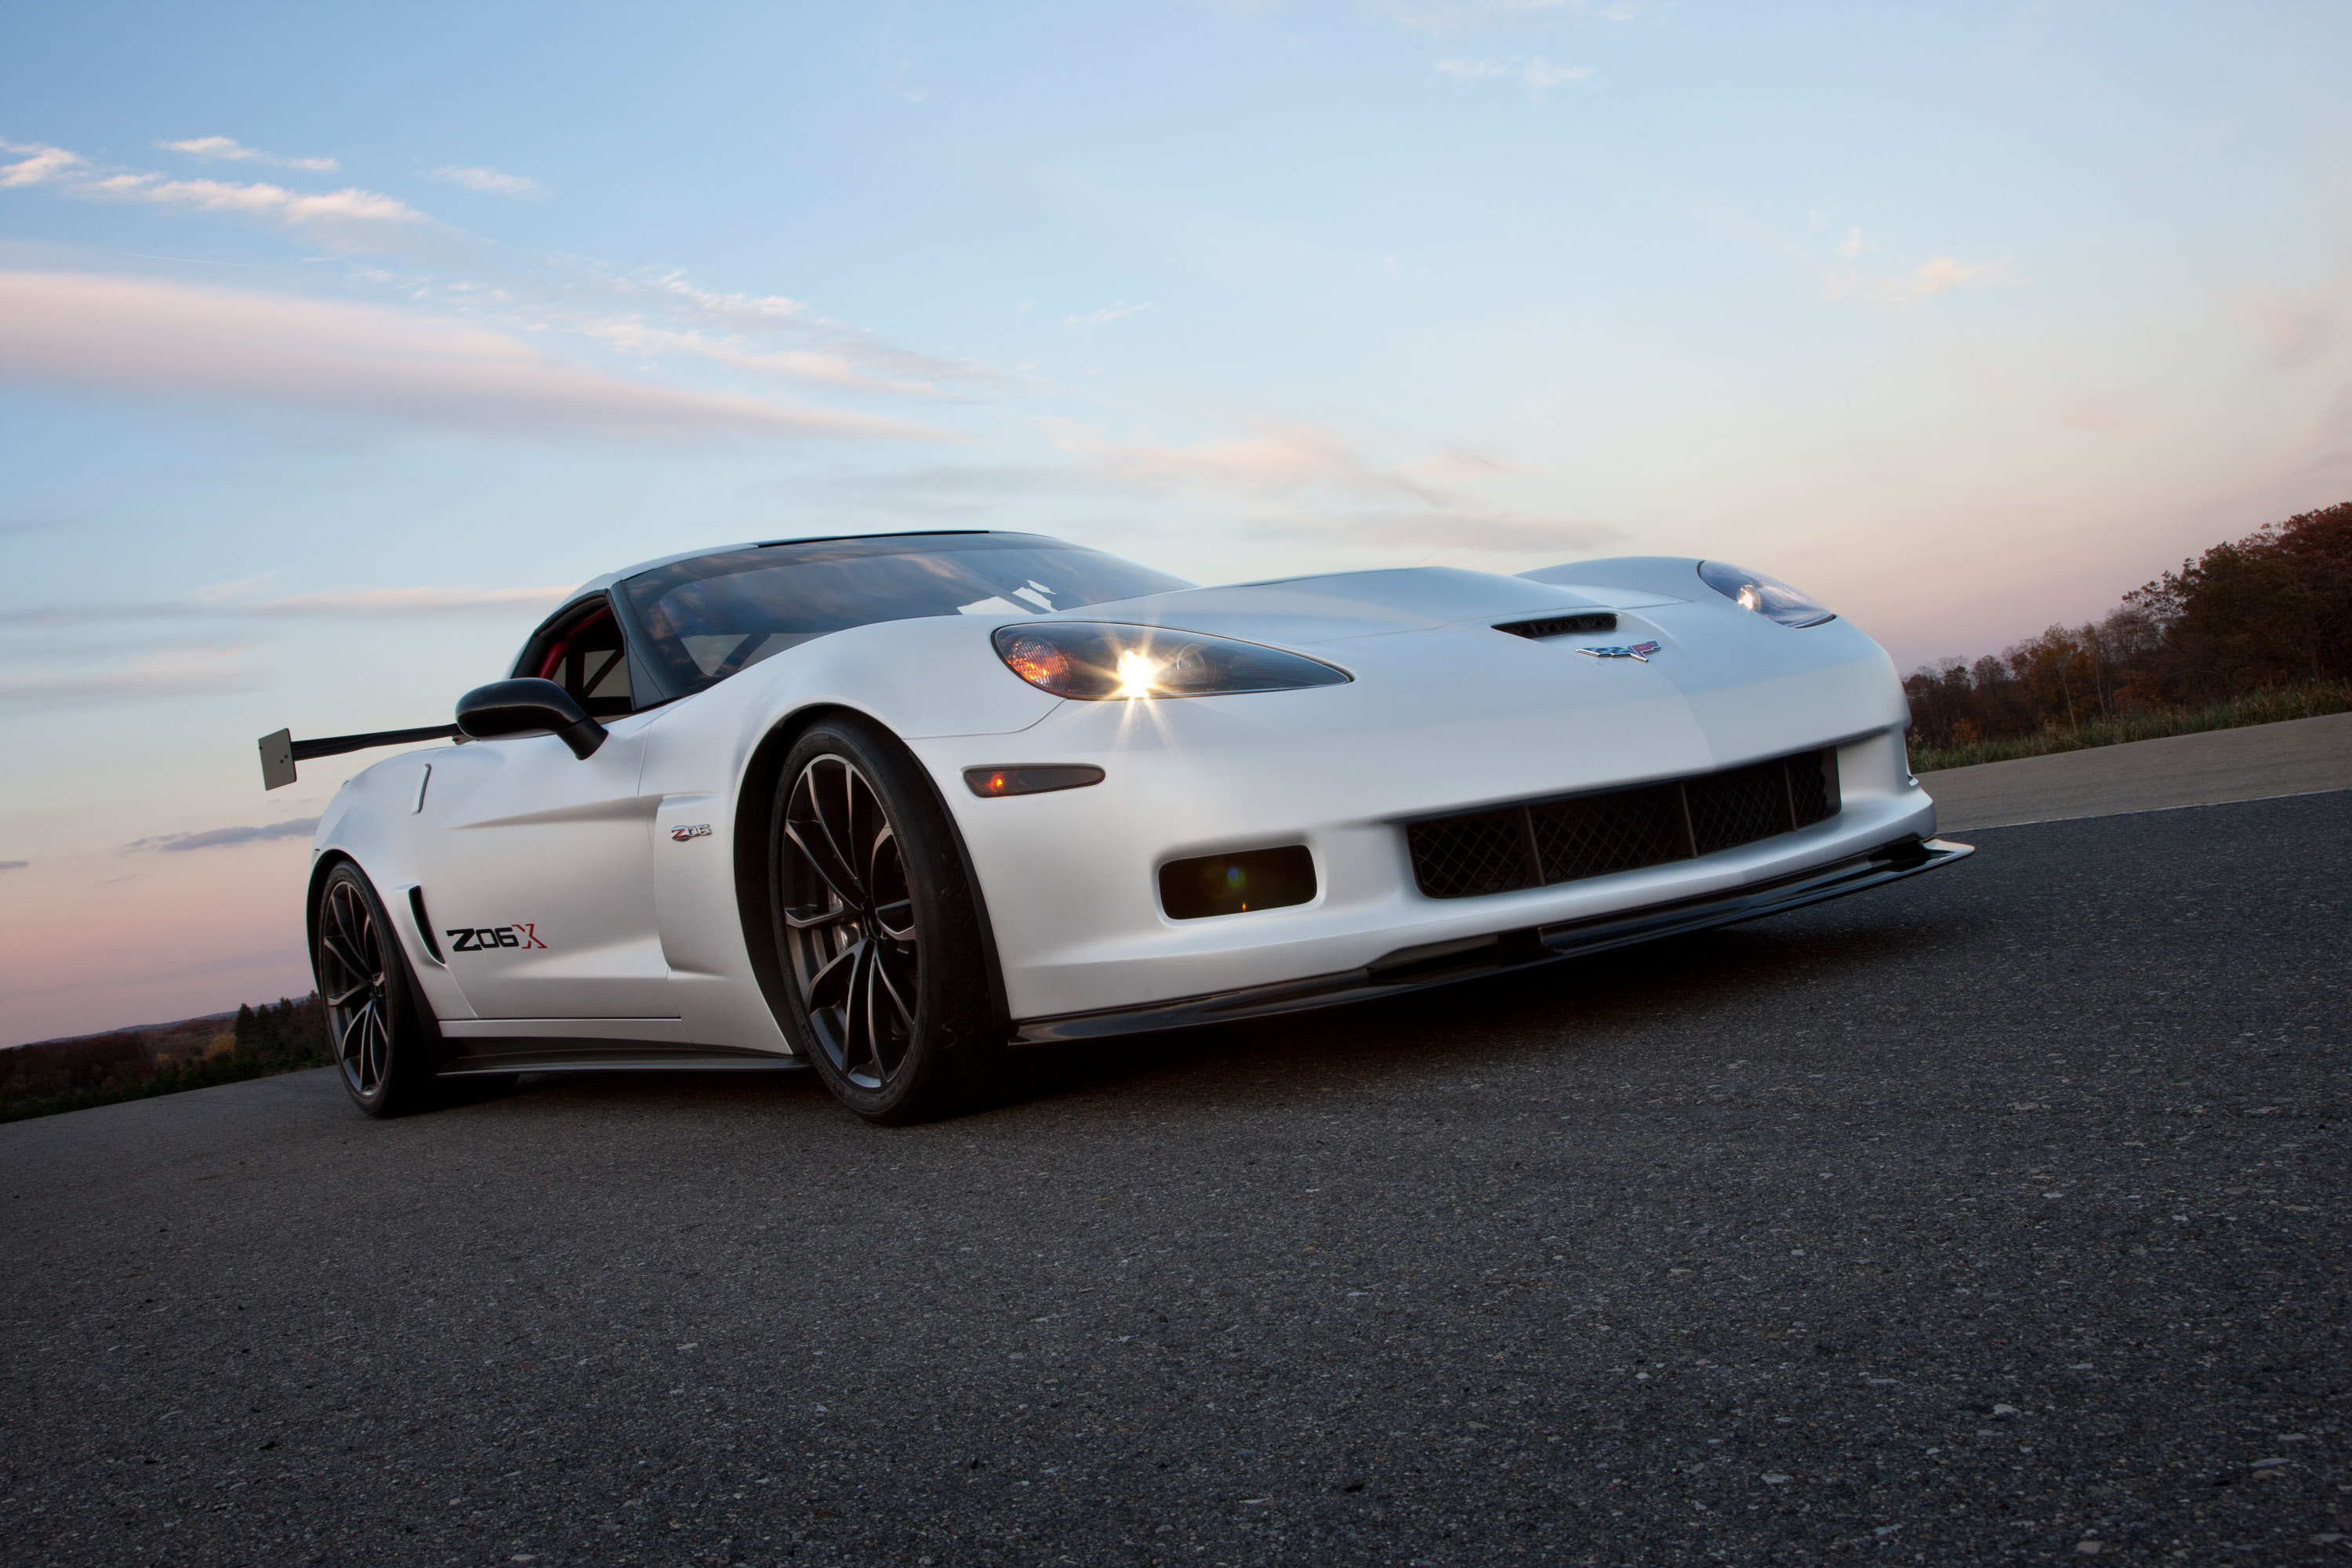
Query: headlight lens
x,y
1768,597
1097,661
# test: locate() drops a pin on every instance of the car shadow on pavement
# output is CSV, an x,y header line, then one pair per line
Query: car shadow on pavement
x,y
1409,1042
1483,1026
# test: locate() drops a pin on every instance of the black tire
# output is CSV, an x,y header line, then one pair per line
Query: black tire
x,y
878,933
383,1046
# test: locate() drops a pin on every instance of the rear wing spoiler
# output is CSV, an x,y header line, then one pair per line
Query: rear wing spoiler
x,y
281,751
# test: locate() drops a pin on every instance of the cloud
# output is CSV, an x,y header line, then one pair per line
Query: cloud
x,y
236,153
1936,275
1115,311
144,335
1310,482
232,601
13,865
831,368
649,314
1845,277
654,314
1537,72
475,177
406,601
350,218
45,164
176,672
1540,72
1941,275
218,837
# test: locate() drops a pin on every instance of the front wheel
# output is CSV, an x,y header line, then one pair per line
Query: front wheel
x,y
878,933
382,1045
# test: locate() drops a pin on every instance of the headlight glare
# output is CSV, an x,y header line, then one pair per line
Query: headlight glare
x,y
1096,661
1768,597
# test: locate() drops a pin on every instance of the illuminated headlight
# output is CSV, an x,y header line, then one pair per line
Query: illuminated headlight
x,y
1768,597
1099,661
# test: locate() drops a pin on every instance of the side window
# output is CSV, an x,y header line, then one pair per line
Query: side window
x,y
584,656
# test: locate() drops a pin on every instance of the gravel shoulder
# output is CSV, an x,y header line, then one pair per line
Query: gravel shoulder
x,y
1996,1215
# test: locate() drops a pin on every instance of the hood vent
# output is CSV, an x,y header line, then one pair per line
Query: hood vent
x,y
1560,626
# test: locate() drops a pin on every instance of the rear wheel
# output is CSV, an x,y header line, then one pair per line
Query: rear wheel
x,y
878,934
381,1046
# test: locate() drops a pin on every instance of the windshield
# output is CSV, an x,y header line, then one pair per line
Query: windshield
x,y
709,617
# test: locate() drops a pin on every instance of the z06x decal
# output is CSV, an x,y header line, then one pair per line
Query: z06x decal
x,y
481,939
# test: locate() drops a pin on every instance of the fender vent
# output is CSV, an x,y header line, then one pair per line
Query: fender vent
x,y
1564,840
1560,626
423,926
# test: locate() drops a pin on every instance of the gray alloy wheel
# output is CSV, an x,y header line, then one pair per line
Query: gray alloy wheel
x,y
381,1047
878,933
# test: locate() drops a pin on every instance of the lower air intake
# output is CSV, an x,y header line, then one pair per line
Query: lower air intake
x,y
1548,841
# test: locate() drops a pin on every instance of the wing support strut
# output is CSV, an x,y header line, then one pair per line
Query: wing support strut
x,y
281,751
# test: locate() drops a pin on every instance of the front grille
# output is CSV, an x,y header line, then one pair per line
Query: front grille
x,y
1548,841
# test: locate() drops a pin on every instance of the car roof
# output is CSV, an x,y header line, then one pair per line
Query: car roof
x,y
599,584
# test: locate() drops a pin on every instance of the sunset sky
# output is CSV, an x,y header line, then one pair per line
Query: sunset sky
x,y
335,342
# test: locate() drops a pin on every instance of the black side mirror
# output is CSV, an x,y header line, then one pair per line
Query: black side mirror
x,y
521,707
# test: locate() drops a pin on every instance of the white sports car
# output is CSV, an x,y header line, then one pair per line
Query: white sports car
x,y
893,805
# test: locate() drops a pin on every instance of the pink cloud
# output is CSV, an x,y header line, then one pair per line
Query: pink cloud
x,y
145,335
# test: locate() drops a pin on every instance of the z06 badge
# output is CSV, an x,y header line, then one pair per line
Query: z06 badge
x,y
696,830
482,939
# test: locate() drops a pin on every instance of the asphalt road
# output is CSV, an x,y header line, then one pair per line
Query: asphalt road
x,y
1998,1215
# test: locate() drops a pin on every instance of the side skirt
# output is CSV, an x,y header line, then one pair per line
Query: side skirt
x,y
1442,964
611,1055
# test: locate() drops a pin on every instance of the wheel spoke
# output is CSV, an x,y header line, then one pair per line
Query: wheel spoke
x,y
343,1035
897,989
343,998
829,811
817,852
379,1043
887,1042
828,987
340,949
857,1019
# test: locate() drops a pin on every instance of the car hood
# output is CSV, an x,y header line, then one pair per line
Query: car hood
x,y
1326,608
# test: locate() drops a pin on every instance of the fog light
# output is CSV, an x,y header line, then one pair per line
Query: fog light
x,y
1235,884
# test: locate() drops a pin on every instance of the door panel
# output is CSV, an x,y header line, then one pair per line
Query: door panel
x,y
538,868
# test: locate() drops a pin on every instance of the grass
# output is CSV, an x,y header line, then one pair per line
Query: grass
x,y
172,1079
2269,706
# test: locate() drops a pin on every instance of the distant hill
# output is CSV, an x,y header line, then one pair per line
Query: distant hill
x,y
147,1029
44,1077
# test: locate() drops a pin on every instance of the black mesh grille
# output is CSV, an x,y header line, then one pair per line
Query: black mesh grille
x,y
1812,787
1460,856
1740,806
1549,841
1604,832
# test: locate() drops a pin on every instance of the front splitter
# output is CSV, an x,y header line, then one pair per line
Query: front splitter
x,y
1444,964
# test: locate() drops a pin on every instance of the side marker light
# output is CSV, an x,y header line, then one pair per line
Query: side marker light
x,y
989,783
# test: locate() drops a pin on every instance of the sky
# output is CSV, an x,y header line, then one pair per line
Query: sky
x,y
336,341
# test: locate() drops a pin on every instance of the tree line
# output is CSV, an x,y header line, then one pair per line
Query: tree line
x,y
2268,611
162,1058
